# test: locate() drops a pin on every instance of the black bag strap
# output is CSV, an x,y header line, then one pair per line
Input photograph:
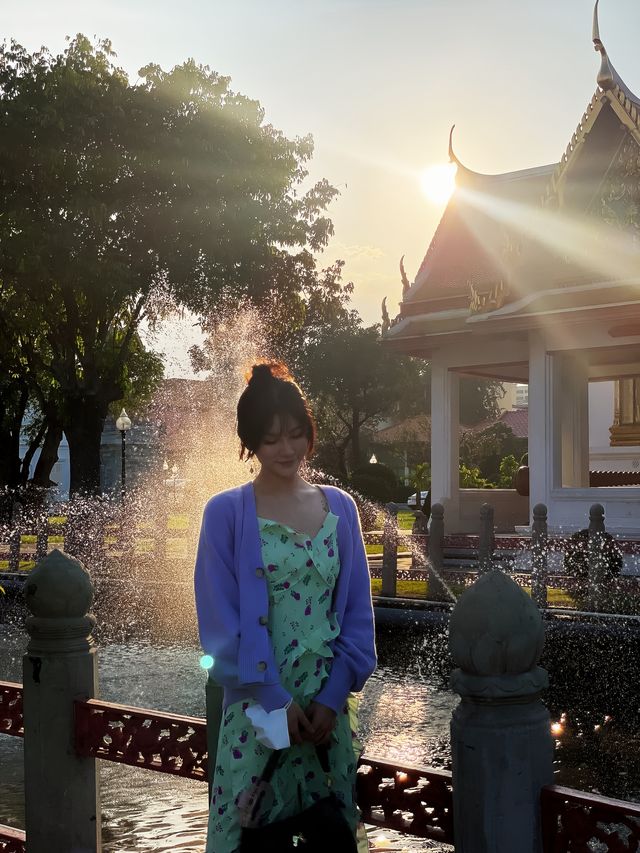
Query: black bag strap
x,y
323,757
271,765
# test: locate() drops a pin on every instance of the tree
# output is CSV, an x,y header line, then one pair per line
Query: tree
x,y
120,200
353,383
485,450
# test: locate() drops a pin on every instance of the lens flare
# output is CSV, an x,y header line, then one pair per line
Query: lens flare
x,y
206,661
438,182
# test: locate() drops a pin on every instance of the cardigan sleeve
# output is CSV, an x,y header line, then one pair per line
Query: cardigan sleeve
x,y
354,649
218,605
216,593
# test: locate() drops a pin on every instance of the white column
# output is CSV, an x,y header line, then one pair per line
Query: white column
x,y
573,415
445,442
544,457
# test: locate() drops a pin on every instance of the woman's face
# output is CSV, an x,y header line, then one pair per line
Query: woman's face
x,y
283,447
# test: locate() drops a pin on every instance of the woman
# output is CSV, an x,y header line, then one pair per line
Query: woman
x,y
284,609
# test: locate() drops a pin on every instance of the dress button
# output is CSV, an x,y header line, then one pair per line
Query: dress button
x,y
259,573
263,620
262,666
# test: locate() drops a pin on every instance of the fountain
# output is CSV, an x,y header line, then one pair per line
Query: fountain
x,y
150,657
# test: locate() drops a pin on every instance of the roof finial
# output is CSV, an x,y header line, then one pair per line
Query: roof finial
x,y
386,323
452,156
405,281
606,75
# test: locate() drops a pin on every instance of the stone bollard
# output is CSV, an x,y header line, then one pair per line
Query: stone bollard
x,y
539,544
15,537
486,544
390,551
214,695
501,740
597,557
62,803
437,591
42,536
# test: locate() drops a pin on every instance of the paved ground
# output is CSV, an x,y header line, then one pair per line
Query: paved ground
x,y
381,840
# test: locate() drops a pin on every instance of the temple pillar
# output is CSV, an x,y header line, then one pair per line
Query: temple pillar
x,y
544,457
625,431
572,403
445,442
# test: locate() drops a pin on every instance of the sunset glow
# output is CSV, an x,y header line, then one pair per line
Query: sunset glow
x,y
438,182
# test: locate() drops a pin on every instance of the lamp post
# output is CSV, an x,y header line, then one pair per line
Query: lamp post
x,y
174,471
123,423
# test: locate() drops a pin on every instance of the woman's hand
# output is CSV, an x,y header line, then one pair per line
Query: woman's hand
x,y
323,722
300,727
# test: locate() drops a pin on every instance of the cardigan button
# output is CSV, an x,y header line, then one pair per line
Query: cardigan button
x,y
262,666
263,620
259,573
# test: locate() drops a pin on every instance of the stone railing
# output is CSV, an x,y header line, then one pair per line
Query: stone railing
x,y
431,557
500,734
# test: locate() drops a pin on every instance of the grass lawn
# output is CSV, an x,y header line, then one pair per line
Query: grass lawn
x,y
404,589
405,520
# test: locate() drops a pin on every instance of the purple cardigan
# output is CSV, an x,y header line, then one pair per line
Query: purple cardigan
x,y
232,601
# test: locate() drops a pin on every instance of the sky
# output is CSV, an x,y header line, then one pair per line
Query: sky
x,y
378,83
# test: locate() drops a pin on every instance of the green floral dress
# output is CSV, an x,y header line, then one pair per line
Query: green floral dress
x,y
301,575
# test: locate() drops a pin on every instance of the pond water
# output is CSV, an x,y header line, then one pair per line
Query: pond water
x,y
405,713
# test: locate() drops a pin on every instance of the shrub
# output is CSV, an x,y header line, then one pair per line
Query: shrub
x,y
576,563
377,482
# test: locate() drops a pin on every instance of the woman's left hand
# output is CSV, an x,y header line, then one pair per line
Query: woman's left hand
x,y
323,721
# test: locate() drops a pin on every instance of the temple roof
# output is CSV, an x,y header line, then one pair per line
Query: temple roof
x,y
467,247
528,241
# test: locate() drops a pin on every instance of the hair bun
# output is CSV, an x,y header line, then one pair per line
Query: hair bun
x,y
268,371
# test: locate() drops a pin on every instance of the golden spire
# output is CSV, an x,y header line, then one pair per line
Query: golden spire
x,y
405,281
606,75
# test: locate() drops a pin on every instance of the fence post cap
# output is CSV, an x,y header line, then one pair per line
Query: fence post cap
x,y
496,637
486,509
437,509
540,510
596,510
59,587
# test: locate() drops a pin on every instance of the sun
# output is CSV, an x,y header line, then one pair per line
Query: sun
x,y
438,182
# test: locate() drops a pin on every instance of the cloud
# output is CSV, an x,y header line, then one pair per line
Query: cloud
x,y
342,250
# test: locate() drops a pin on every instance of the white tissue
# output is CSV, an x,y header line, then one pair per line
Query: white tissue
x,y
271,726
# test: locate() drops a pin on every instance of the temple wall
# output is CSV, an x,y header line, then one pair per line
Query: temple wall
x,y
510,509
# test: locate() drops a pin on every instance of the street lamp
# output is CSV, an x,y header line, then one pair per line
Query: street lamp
x,y
174,471
123,423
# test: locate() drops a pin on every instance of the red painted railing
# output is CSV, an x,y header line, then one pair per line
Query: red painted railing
x,y
412,800
577,822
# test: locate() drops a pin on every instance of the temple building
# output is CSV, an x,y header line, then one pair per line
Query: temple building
x,y
533,277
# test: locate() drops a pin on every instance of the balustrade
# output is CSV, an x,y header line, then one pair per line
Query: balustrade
x,y
500,731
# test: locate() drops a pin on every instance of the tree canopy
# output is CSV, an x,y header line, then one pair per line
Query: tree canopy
x,y
121,199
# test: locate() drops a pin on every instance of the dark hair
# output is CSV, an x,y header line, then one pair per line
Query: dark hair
x,y
271,392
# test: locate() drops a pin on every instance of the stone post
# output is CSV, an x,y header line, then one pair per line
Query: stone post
x,y
437,591
15,538
390,551
214,695
501,740
539,544
597,558
62,803
486,544
42,536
